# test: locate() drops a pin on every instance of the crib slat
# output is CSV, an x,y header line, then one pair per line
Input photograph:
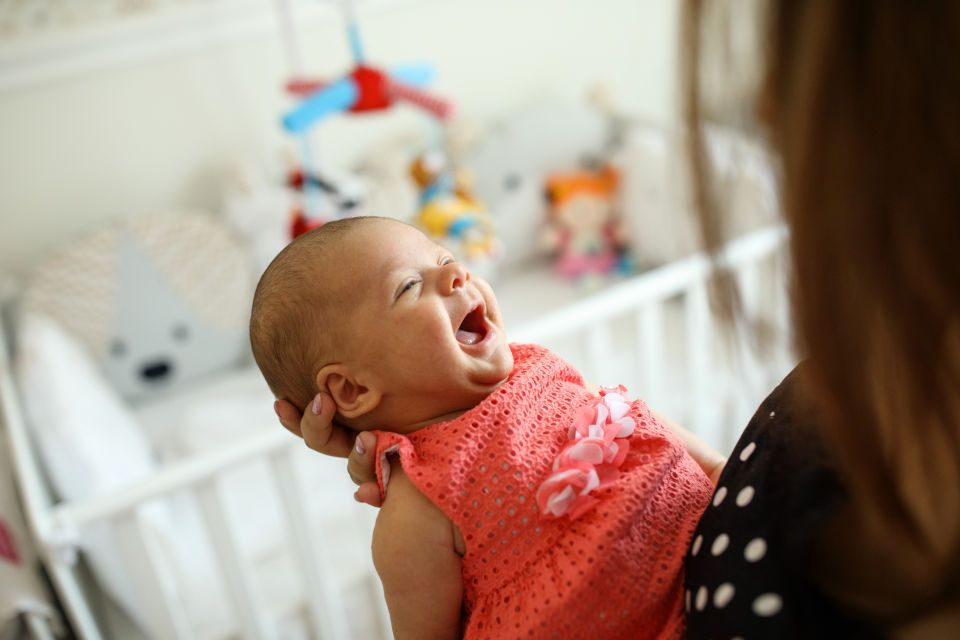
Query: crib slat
x,y
598,352
698,325
74,599
650,353
165,613
38,626
323,598
748,277
233,568
781,299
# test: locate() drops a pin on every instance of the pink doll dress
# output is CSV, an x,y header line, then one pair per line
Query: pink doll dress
x,y
606,563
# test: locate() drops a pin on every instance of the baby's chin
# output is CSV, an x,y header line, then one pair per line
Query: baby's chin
x,y
489,384
500,368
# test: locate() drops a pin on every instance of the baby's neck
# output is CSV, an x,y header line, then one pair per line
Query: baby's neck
x,y
416,426
406,413
453,415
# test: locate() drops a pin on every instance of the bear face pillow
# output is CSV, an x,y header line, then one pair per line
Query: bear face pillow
x,y
158,301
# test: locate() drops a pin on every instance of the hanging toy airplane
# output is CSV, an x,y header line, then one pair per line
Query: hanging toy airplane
x,y
366,88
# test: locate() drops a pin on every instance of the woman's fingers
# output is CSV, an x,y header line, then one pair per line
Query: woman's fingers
x,y
368,493
289,416
361,463
315,425
362,469
320,433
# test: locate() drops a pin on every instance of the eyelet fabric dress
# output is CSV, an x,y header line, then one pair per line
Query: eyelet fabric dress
x,y
615,570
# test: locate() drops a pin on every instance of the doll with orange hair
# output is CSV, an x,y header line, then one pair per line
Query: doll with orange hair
x,y
583,230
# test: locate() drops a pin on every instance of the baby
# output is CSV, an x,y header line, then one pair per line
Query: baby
x,y
523,504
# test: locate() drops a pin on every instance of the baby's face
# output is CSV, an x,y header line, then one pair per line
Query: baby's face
x,y
429,332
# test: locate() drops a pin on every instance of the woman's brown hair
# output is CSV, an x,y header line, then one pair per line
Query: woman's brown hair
x,y
861,103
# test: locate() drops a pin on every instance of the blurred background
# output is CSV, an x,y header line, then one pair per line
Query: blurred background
x,y
156,154
129,107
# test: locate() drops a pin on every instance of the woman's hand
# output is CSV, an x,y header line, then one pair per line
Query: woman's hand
x,y
318,430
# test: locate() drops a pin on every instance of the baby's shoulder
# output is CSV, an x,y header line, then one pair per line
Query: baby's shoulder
x,y
401,494
406,515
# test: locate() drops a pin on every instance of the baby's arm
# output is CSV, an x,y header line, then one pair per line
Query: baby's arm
x,y
415,551
709,459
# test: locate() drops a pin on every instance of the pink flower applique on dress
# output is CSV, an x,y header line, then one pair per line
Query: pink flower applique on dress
x,y
591,459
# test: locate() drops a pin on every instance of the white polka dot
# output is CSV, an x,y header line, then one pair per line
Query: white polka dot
x,y
720,544
747,451
719,496
745,496
701,601
686,600
766,605
773,413
723,595
695,548
755,550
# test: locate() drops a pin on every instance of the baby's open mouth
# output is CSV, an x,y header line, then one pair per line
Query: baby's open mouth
x,y
473,329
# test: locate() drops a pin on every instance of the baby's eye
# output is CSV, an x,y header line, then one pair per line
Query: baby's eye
x,y
410,284
445,261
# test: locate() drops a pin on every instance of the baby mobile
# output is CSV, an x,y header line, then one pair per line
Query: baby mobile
x,y
448,213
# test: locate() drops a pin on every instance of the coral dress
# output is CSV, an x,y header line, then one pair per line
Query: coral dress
x,y
609,563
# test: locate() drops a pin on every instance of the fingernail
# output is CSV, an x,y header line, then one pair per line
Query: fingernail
x,y
356,495
317,405
276,407
360,448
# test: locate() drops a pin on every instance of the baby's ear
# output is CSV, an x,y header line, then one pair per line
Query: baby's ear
x,y
352,398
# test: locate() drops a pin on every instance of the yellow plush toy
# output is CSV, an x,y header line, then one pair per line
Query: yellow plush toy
x,y
449,212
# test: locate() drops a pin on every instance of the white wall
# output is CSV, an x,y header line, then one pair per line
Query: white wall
x,y
149,132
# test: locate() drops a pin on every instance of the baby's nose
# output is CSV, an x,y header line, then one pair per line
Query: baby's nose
x,y
456,277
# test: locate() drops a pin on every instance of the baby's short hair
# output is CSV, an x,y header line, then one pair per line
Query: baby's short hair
x,y
292,332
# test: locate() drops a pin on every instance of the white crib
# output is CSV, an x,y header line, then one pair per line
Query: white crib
x,y
652,332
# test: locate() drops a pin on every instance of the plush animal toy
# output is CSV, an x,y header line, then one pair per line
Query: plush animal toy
x,y
451,215
583,230
510,160
158,301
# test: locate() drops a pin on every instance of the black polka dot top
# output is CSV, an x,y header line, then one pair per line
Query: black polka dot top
x,y
746,571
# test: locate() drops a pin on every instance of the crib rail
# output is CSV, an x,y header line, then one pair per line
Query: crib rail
x,y
36,500
56,528
655,303
200,476
643,302
175,477
653,287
